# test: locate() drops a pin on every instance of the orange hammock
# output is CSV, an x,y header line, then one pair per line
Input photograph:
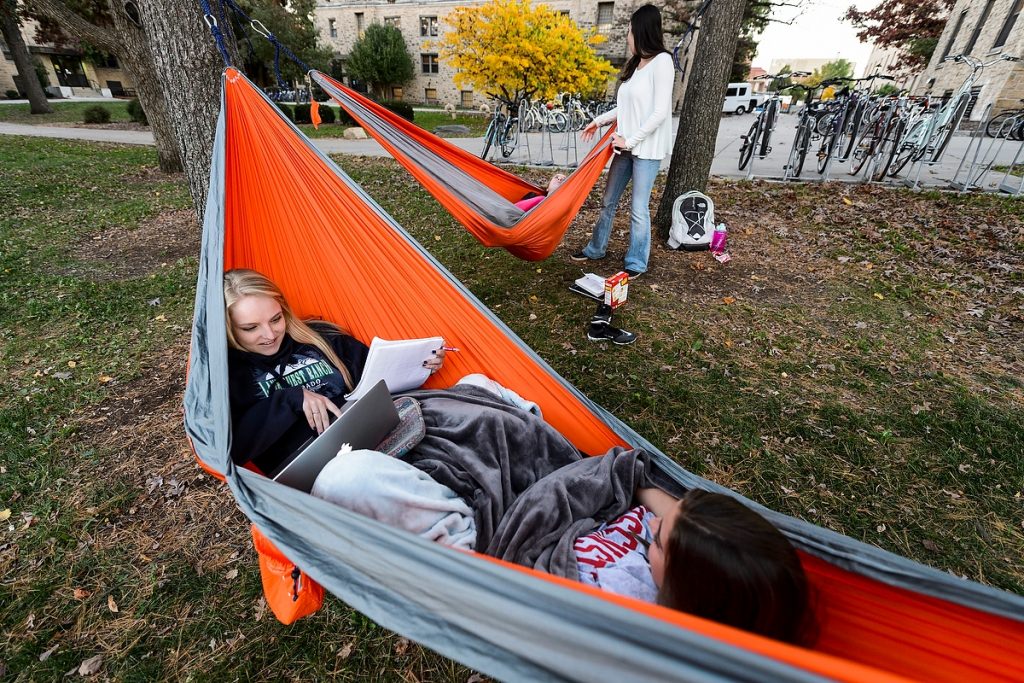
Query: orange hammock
x,y
278,205
478,194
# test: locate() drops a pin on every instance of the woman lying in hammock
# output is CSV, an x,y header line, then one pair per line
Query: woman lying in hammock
x,y
706,554
497,479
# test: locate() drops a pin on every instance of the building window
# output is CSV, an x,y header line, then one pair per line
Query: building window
x,y
332,27
397,93
430,95
428,26
466,99
975,94
952,36
428,62
605,14
393,21
977,28
360,21
1011,19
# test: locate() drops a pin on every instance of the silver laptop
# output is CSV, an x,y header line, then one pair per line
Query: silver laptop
x,y
362,424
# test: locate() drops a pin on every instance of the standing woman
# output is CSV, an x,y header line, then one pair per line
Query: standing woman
x,y
643,112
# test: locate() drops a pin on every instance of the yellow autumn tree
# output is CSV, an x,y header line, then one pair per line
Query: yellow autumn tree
x,y
511,49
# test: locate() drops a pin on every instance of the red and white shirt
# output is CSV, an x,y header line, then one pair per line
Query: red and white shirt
x,y
612,558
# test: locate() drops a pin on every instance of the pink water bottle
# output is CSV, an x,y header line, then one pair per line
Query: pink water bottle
x,y
718,239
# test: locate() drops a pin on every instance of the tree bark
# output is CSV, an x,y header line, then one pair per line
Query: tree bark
x,y
188,69
127,42
10,27
701,110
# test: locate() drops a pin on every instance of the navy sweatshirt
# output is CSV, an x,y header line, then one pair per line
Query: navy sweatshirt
x,y
266,394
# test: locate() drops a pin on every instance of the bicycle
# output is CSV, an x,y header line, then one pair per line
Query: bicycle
x,y
760,134
996,125
503,130
807,120
930,134
879,134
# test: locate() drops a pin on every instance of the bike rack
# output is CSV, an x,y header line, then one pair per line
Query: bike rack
x,y
918,165
1018,162
970,180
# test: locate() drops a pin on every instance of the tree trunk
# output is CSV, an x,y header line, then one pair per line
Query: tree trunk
x,y
701,111
138,64
10,28
188,69
127,42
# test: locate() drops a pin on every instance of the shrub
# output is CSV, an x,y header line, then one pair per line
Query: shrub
x,y
96,114
137,113
403,109
11,94
327,114
302,114
286,110
344,119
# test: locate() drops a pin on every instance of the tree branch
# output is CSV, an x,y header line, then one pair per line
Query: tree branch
x,y
102,38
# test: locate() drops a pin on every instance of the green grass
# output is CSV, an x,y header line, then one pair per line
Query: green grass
x,y
817,386
428,120
63,112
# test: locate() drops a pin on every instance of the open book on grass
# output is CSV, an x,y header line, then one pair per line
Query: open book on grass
x,y
399,363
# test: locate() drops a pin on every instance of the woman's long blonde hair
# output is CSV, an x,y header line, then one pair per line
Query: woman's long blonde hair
x,y
241,282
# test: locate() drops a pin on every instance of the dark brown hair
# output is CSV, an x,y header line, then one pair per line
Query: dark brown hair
x,y
725,562
648,40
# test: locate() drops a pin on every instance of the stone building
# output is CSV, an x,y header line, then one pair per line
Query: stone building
x,y
68,72
983,29
341,22
885,60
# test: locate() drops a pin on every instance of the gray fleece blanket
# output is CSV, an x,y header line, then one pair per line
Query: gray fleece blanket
x,y
532,492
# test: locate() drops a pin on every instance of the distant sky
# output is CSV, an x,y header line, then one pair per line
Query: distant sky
x,y
817,32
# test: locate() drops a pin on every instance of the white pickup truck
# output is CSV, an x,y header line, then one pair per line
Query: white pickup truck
x,y
740,98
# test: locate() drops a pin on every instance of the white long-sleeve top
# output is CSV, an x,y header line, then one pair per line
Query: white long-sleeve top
x,y
643,109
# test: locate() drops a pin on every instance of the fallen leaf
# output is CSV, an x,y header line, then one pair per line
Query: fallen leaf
x,y
72,364
81,594
477,678
5,514
346,651
111,605
62,375
105,378
46,655
437,238
233,574
90,666
161,318
847,201
533,298
260,610
879,296
533,316
963,467
930,545
401,645
728,300
880,528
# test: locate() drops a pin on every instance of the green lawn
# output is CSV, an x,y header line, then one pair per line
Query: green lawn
x,y
71,112
858,364
63,112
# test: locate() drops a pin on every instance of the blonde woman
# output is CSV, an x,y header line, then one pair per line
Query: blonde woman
x,y
286,376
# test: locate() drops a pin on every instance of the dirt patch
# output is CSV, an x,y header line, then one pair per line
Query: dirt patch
x,y
120,253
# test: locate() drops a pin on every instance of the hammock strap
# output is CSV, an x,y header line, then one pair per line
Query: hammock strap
x,y
218,36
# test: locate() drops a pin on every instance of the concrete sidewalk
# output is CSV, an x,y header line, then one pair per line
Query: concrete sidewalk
x,y
565,149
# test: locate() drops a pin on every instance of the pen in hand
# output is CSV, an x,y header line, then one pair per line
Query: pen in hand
x,y
451,349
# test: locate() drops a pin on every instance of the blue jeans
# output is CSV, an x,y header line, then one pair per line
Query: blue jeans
x,y
643,172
